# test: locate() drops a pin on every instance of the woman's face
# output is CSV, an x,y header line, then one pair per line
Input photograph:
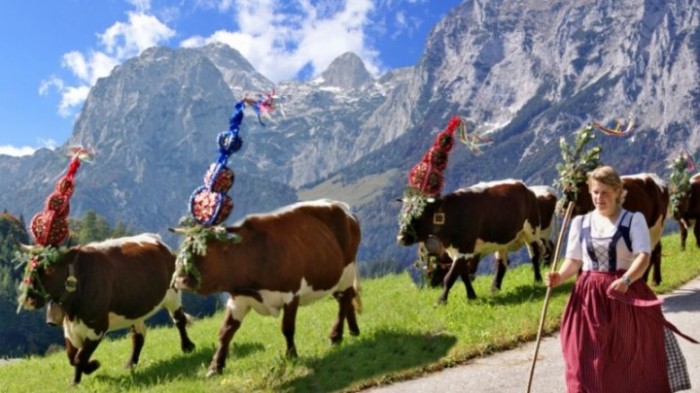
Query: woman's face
x,y
605,198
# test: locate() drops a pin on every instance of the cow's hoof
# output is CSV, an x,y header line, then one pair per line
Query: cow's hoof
x,y
129,365
292,353
188,347
354,332
213,371
91,367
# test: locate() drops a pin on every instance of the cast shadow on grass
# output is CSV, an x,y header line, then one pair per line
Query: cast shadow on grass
x,y
182,365
179,366
509,296
354,362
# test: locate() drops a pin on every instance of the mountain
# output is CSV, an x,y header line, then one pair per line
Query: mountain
x,y
529,72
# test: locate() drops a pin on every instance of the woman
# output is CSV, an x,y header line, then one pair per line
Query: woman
x,y
612,330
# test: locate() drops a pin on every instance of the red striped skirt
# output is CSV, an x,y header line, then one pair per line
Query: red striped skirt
x,y
609,345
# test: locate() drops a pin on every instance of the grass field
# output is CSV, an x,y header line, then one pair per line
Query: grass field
x,y
402,335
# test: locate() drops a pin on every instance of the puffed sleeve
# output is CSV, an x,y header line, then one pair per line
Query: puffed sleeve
x,y
573,245
639,233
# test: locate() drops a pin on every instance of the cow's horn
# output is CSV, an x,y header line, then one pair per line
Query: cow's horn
x,y
178,230
24,247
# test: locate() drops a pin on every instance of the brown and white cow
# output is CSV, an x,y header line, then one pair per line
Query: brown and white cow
x,y
689,212
645,193
120,283
498,217
285,259
437,263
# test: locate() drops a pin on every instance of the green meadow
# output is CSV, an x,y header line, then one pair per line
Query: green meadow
x,y
403,335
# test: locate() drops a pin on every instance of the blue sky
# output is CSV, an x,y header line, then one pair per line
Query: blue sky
x,y
53,51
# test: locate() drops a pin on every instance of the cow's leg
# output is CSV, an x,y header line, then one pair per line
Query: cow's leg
x,y
537,257
137,332
83,364
289,326
458,266
346,311
501,264
71,351
228,329
696,232
656,264
181,320
351,316
684,235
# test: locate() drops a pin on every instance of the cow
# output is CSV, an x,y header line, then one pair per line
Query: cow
x,y
437,263
547,205
498,217
280,261
688,212
105,286
645,193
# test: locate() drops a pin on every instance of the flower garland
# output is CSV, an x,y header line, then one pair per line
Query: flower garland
x,y
195,243
35,258
681,169
577,163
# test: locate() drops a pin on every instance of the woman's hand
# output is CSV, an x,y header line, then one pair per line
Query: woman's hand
x,y
619,285
552,279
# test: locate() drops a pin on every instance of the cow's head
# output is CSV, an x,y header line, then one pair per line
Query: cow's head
x,y
416,216
435,263
193,258
44,276
579,195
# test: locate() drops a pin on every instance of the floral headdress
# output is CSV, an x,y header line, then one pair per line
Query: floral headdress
x,y
209,204
426,178
49,229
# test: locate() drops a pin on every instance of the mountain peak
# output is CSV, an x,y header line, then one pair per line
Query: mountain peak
x,y
346,71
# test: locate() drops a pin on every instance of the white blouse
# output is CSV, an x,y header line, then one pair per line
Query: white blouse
x,y
639,234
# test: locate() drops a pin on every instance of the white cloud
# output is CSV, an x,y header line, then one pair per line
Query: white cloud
x,y
19,151
142,31
279,42
16,151
119,42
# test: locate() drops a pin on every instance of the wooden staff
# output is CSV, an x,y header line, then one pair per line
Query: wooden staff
x,y
564,225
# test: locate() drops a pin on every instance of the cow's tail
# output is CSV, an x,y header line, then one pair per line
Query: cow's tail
x,y
357,301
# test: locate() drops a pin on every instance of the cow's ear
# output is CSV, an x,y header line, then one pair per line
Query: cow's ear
x,y
398,200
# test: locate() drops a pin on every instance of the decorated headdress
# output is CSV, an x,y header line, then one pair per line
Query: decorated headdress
x,y
50,226
210,203
577,163
49,229
681,172
425,180
427,177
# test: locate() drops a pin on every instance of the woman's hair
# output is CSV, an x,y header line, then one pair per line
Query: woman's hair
x,y
608,176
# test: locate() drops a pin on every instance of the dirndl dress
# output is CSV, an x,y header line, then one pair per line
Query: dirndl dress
x,y
614,344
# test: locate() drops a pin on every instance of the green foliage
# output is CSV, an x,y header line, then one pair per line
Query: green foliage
x,y
402,336
679,184
576,164
195,243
